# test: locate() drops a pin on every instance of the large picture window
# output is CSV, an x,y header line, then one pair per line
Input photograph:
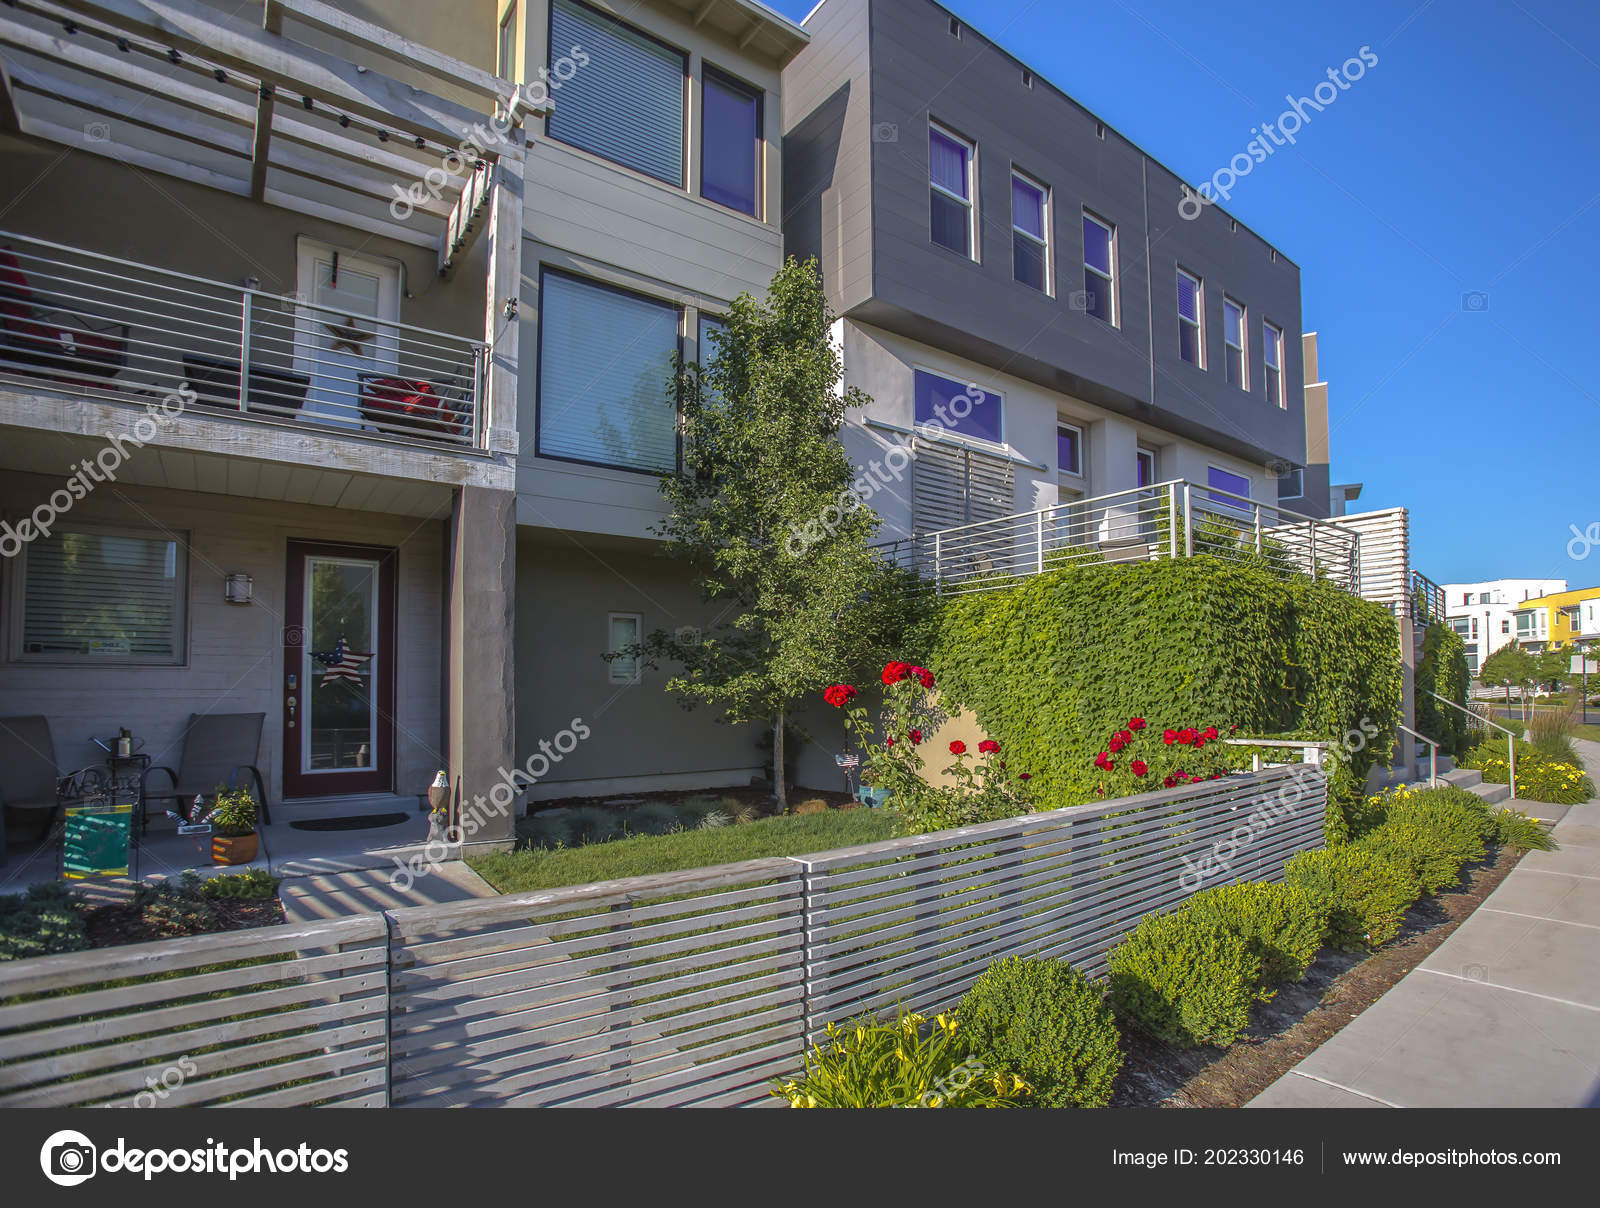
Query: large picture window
x,y
730,147
956,407
104,596
605,367
626,102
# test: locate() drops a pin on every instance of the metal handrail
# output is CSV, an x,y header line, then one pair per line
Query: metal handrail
x,y
1511,735
1311,752
1433,752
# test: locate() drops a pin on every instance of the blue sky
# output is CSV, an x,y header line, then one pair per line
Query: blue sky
x,y
1467,161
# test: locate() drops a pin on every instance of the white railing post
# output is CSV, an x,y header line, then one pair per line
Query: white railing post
x,y
1039,538
1313,527
1256,508
1188,520
1172,521
244,352
938,559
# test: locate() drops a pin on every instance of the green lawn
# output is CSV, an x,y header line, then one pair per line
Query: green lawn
x,y
520,871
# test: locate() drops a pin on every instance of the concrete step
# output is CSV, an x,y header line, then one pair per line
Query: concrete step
x,y
1463,778
1494,794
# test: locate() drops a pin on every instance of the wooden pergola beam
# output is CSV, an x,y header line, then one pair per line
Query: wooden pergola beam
x,y
229,42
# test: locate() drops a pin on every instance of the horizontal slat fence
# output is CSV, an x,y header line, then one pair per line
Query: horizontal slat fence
x,y
694,988
915,921
277,1017
655,991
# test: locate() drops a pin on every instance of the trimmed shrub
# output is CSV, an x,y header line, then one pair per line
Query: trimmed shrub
x,y
46,919
1367,893
1432,831
1282,925
1045,1021
1184,979
252,885
901,1064
1443,669
1054,663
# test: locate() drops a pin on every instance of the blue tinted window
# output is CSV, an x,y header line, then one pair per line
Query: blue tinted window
x,y
969,410
1069,450
729,159
1224,481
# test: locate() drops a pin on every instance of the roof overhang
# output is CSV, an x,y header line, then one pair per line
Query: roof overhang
x,y
753,26
192,91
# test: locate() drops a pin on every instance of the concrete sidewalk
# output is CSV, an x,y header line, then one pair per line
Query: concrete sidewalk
x,y
1504,1013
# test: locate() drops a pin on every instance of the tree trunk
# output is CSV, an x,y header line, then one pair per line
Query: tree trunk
x,y
780,788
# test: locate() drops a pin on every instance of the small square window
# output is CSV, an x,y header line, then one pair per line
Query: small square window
x,y
1291,483
1069,449
623,632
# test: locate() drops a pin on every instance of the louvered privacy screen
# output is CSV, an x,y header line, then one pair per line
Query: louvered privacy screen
x,y
604,371
953,485
626,102
103,597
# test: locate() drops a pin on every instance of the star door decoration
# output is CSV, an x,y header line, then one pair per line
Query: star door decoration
x,y
347,335
340,663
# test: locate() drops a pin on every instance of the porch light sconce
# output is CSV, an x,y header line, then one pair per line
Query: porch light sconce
x,y
238,588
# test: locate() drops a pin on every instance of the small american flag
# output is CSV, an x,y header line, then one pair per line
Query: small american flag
x,y
341,662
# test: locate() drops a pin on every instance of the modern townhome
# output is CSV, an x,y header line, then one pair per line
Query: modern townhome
x,y
260,279
1560,620
1034,313
1484,615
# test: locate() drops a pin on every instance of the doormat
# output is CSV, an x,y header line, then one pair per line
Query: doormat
x,y
356,822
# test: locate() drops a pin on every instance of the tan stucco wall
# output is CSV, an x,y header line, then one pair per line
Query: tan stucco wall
x,y
235,654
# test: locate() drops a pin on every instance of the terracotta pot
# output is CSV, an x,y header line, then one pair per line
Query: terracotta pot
x,y
234,849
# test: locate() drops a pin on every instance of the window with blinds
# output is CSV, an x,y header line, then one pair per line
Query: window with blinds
x,y
605,376
952,485
103,596
626,102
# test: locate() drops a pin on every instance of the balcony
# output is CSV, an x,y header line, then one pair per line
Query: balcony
x,y
1170,520
82,325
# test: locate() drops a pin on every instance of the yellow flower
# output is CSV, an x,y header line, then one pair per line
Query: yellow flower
x,y
936,1101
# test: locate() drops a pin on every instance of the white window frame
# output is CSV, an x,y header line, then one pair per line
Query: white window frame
x,y
970,200
180,608
1140,454
506,44
1272,340
1046,220
1110,229
1243,346
613,674
1082,448
981,443
1199,320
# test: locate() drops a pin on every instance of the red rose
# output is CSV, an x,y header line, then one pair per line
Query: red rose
x,y
1111,765
1116,744
1140,767
958,747
1216,776
988,746
916,737
1186,737
889,742
1126,736
923,676
1169,782
1169,736
1103,761
1024,775
1198,743
893,673
1211,732
839,695
1136,723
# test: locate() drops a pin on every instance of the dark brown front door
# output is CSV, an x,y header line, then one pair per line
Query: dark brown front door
x,y
338,670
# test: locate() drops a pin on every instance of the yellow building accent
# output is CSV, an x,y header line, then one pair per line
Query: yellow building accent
x,y
1560,619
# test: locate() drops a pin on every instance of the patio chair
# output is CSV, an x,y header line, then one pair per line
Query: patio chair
x,y
216,384
48,338
218,749
30,778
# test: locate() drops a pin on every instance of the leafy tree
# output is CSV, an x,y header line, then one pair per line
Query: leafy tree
x,y
764,515
1510,664
1553,668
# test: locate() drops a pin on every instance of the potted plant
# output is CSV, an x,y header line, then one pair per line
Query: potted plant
x,y
234,840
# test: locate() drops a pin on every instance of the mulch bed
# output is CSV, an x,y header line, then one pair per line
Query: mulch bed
x,y
1301,1017
111,925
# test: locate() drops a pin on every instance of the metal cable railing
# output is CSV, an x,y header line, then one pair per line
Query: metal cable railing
x,y
1169,520
97,327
